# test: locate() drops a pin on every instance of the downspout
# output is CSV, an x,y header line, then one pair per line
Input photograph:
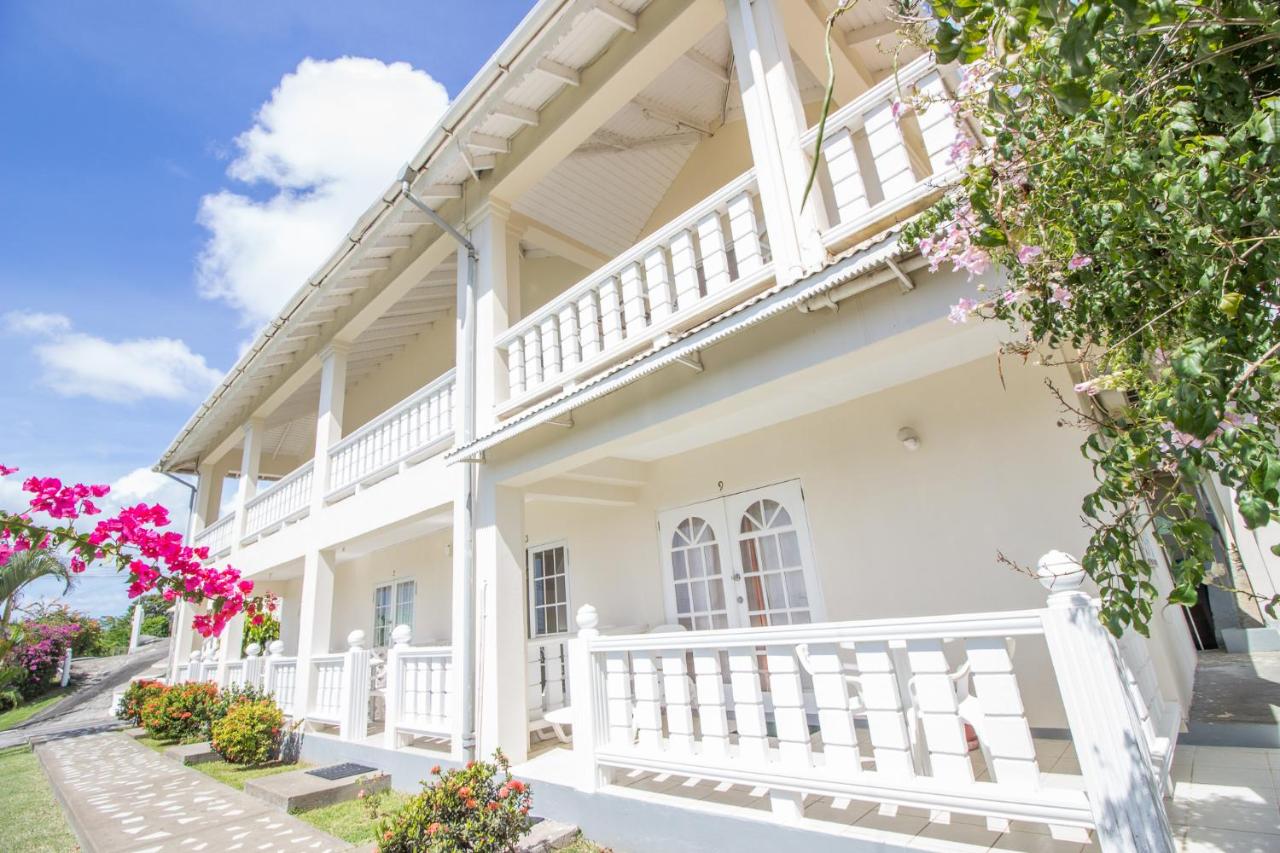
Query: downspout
x,y
464,657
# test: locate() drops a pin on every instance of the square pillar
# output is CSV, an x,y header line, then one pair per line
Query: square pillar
x,y
333,393
497,295
502,716
250,467
775,120
315,620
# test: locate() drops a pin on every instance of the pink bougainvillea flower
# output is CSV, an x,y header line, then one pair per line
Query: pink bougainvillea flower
x,y
1027,254
961,310
5,470
1078,262
1061,296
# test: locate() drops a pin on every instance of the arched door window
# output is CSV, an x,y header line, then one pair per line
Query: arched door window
x,y
697,576
773,566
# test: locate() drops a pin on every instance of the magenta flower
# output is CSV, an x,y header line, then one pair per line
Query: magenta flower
x,y
1028,253
1078,262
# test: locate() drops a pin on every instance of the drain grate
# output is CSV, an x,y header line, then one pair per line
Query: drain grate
x,y
341,771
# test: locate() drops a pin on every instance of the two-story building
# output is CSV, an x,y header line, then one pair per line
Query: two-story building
x,y
590,364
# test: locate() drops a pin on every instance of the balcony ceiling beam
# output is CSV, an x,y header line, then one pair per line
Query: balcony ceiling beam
x,y
543,236
868,32
706,66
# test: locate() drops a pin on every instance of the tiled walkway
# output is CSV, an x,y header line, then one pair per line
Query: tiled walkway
x,y
122,796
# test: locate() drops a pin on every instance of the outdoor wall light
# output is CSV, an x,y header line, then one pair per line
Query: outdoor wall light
x,y
910,440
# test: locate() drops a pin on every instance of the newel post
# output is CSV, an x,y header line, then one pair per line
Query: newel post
x,y
401,635
355,689
275,649
195,669
586,683
1120,782
252,672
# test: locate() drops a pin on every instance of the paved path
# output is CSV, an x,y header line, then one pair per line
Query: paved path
x,y
122,796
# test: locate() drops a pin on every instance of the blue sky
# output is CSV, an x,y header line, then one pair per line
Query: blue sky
x,y
169,172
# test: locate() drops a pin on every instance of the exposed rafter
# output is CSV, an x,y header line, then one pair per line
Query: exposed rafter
x,y
658,112
556,71
867,33
707,66
488,144
521,114
620,18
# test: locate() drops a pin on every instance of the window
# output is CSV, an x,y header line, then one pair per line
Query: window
x,y
549,591
392,606
772,566
695,572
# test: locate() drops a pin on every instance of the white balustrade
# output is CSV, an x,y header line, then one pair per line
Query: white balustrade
x,y
547,677
325,705
195,668
280,677
419,684
232,674
283,502
180,673
253,664
877,711
414,429
217,536
704,260
868,173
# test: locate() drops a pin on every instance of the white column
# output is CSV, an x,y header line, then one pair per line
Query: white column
x,y
502,718
316,620
333,392
205,509
354,724
401,636
135,627
590,720
1120,782
250,467
497,294
775,121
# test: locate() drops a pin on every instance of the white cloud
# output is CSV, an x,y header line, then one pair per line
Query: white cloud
x,y
327,142
76,364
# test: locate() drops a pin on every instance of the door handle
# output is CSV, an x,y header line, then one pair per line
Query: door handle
x,y
737,576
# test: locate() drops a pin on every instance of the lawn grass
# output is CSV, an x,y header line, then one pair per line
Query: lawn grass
x,y
31,821
582,845
27,710
236,775
350,820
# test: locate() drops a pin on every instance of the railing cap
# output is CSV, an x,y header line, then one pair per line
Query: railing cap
x,y
355,640
275,648
401,635
194,656
1058,571
253,650
587,617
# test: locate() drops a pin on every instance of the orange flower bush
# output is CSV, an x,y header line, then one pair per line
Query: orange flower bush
x,y
182,712
478,808
135,696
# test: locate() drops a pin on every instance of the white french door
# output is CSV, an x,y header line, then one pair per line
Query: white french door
x,y
740,561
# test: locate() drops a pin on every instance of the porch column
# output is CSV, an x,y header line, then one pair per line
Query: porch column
x,y
502,719
333,394
250,467
315,621
497,294
775,121
208,495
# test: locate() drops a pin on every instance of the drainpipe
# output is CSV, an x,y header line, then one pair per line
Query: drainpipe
x,y
466,430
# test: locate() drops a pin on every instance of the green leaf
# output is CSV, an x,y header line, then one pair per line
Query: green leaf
x,y
1229,304
1072,97
1255,510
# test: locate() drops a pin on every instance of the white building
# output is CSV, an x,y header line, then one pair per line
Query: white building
x,y
660,393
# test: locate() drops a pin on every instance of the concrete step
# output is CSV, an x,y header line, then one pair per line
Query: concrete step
x,y
548,835
303,789
191,753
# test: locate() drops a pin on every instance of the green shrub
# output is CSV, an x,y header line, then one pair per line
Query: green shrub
x,y
135,696
235,694
182,712
250,732
479,808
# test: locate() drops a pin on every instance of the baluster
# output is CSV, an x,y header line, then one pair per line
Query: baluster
x,y
568,320
743,232
550,332
533,358
938,126
515,367
888,151
848,190
675,688
684,271
648,700
658,285
393,705
788,706
712,718
835,720
589,325
554,663
632,299
437,689
618,698
748,705
715,263
1004,732
610,314
886,719
934,695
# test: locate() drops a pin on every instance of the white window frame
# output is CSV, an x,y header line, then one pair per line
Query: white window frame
x,y
394,586
531,606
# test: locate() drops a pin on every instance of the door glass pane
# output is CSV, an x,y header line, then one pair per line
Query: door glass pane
x,y
696,574
772,566
790,544
549,591
405,592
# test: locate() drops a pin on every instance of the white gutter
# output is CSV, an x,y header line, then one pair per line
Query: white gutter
x,y
855,274
540,17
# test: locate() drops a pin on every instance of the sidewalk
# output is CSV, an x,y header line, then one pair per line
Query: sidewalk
x,y
121,796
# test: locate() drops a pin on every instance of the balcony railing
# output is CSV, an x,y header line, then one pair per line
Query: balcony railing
x,y
419,683
706,258
869,173
285,501
414,429
217,536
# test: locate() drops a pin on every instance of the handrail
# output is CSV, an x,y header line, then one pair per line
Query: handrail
x,y
407,403
909,74
293,476
217,530
278,490
630,256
